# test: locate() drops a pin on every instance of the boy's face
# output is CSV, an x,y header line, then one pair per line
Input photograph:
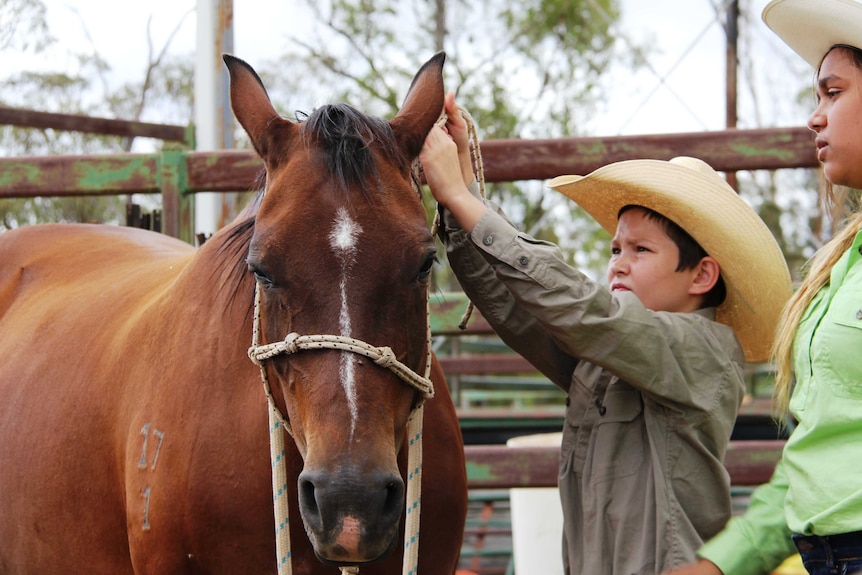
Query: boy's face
x,y
644,260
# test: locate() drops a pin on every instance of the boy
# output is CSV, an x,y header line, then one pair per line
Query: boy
x,y
652,363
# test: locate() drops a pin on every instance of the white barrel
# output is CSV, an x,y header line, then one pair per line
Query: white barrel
x,y
537,519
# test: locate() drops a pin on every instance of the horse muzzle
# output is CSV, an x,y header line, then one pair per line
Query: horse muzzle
x,y
351,517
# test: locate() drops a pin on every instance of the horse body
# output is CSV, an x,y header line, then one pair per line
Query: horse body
x,y
133,427
116,430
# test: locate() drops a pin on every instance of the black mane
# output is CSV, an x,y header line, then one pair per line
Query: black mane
x,y
231,272
345,136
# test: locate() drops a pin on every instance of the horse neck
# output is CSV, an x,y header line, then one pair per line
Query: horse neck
x,y
217,277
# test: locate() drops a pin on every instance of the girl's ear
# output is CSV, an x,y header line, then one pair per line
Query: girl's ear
x,y
707,275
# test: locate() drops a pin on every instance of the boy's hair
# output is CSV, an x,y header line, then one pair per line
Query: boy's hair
x,y
690,252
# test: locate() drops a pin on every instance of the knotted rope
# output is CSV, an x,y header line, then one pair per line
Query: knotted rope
x,y
478,170
382,356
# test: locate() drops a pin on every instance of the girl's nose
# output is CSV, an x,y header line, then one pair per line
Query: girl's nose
x,y
817,120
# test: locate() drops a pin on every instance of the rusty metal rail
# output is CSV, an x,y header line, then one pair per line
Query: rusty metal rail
x,y
499,467
178,174
25,118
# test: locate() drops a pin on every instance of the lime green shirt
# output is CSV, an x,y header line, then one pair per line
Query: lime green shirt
x,y
816,488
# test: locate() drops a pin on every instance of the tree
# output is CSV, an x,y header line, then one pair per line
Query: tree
x,y
166,86
524,69
23,26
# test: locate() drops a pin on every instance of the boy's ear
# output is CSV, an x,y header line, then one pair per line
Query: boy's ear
x,y
707,275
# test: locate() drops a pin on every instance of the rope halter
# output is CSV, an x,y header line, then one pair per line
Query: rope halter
x,y
382,356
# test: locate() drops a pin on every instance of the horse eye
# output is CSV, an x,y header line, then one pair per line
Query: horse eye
x,y
259,276
427,265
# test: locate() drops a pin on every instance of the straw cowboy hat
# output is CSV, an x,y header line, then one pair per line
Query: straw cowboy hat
x,y
811,27
692,195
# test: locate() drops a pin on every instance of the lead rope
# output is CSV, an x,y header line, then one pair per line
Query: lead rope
x,y
382,356
414,466
277,425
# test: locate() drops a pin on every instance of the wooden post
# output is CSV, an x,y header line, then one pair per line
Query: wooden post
x,y
177,203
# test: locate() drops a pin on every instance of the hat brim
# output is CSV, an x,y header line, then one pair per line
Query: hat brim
x,y
707,208
811,28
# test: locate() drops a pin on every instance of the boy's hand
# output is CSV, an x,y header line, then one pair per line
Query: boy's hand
x,y
456,126
701,567
441,167
440,163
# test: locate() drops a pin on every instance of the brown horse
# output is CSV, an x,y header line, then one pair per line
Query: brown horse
x,y
133,427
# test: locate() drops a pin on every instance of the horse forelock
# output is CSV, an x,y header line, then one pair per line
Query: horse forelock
x,y
347,138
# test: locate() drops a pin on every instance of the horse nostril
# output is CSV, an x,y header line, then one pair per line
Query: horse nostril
x,y
307,499
394,497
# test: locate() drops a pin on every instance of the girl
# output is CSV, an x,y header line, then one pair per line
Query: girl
x,y
813,502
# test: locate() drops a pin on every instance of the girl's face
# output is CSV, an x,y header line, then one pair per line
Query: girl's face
x,y
837,119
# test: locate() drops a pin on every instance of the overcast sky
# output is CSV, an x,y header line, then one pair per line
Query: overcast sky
x,y
682,90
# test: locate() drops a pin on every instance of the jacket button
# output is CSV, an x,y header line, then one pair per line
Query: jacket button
x,y
488,240
859,314
602,409
522,261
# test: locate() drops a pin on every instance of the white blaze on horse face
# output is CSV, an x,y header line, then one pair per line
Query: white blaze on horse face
x,y
343,238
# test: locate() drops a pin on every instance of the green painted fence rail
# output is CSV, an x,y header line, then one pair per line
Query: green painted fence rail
x,y
178,174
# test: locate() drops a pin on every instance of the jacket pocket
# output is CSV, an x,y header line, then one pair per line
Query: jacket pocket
x,y
620,434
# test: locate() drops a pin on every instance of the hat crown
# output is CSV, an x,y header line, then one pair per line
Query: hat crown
x,y
812,27
694,164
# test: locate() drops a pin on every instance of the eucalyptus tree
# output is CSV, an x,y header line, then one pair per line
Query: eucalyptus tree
x,y
528,69
86,86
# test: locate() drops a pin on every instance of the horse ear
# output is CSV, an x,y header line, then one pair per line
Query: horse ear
x,y
254,110
422,106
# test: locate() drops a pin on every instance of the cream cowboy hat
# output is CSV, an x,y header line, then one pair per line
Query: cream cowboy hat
x,y
812,27
695,197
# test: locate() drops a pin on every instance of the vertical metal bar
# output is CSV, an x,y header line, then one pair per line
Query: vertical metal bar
x,y
732,32
229,200
213,118
177,203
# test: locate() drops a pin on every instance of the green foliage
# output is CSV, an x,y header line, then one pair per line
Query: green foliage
x,y
23,26
167,86
526,69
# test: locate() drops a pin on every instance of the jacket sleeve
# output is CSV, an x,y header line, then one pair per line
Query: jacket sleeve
x,y
758,541
515,326
524,287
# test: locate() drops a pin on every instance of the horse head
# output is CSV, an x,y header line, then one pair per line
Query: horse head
x,y
341,246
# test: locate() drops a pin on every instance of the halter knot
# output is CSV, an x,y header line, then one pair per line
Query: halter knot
x,y
290,342
387,357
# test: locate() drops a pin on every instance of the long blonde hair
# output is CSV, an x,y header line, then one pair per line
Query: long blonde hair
x,y
819,270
